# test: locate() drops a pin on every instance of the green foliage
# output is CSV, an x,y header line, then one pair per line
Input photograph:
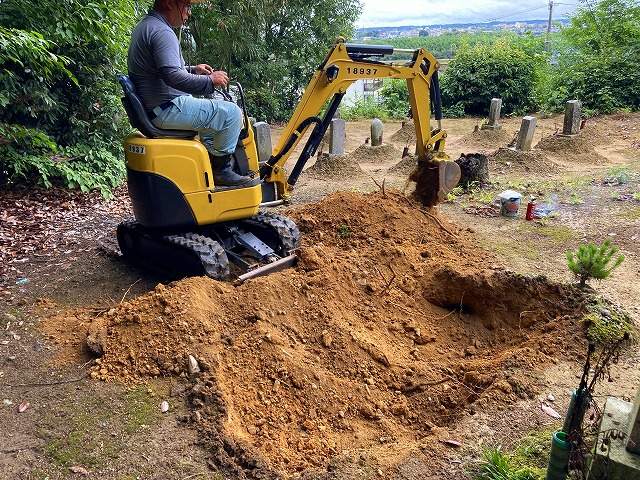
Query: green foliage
x,y
363,107
273,47
498,466
446,45
32,157
618,175
392,102
598,59
344,231
26,62
62,112
394,98
591,261
455,192
479,73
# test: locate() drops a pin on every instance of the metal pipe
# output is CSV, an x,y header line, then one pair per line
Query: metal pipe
x,y
274,203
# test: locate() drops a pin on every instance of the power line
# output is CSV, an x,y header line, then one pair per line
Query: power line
x,y
515,13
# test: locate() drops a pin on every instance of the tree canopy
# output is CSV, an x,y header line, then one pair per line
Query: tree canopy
x,y
598,60
270,47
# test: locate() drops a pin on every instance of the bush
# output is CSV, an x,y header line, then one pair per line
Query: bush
x,y
479,73
591,261
30,156
610,29
394,98
363,107
62,122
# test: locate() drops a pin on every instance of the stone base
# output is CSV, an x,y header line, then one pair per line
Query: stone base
x,y
614,462
490,127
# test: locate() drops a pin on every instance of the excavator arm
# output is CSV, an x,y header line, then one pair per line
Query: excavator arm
x,y
344,64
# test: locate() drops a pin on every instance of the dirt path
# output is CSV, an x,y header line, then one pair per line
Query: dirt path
x,y
404,343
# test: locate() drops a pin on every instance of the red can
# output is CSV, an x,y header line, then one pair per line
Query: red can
x,y
531,210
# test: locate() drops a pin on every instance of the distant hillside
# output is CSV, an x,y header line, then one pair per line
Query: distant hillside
x,y
535,25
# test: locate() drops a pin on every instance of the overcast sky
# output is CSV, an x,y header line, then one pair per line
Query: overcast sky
x,y
383,13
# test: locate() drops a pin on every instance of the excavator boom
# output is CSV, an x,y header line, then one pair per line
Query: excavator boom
x,y
345,64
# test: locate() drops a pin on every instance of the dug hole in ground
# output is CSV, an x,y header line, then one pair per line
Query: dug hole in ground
x,y
405,342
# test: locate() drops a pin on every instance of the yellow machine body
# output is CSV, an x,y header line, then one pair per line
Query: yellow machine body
x,y
171,184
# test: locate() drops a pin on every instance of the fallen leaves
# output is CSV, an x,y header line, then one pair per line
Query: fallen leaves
x,y
485,211
37,222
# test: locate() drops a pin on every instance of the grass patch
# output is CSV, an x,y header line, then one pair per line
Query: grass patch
x,y
502,248
499,466
631,211
142,410
558,233
571,190
91,434
527,461
529,250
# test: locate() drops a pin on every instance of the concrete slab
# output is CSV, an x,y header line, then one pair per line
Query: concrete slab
x,y
612,460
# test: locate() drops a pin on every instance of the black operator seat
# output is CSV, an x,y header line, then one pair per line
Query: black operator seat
x,y
139,118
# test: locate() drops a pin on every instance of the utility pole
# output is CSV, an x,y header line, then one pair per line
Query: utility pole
x,y
549,24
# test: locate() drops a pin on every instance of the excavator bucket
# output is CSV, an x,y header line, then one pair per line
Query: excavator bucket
x,y
434,180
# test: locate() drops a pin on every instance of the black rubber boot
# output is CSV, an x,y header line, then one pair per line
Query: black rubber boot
x,y
224,176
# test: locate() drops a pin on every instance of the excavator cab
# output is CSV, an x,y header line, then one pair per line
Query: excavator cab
x,y
169,174
184,223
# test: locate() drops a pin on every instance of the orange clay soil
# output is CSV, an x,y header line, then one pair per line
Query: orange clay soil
x,y
394,323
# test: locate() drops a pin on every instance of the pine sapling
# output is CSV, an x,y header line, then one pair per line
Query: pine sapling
x,y
591,261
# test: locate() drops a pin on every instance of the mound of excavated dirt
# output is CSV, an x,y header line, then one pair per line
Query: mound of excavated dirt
x,y
519,162
378,154
406,134
405,166
487,140
335,167
393,324
579,149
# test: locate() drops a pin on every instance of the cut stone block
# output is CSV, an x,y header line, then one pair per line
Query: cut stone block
x,y
494,115
612,460
525,135
337,129
572,118
376,132
262,131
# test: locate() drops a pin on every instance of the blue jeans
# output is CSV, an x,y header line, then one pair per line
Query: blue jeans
x,y
218,122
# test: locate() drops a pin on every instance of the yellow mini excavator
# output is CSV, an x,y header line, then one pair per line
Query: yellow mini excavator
x,y
187,225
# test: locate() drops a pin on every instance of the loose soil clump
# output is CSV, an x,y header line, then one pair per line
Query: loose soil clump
x,y
406,134
394,323
378,154
488,140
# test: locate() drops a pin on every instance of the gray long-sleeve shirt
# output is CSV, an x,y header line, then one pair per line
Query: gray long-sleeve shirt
x,y
156,66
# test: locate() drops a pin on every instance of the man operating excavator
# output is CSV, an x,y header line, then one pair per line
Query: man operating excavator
x,y
166,85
